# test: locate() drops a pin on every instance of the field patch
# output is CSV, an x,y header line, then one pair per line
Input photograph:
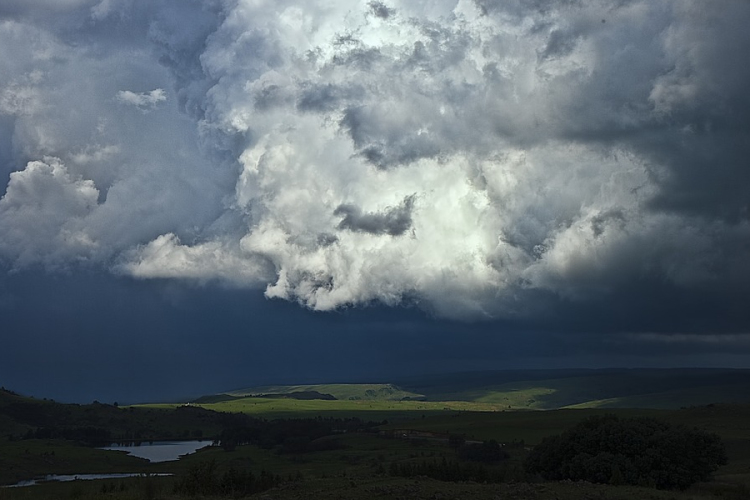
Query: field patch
x,y
349,392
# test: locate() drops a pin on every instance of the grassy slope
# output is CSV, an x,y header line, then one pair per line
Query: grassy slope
x,y
532,390
608,388
370,392
678,398
376,410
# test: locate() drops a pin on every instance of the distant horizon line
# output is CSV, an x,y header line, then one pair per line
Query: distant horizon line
x,y
396,380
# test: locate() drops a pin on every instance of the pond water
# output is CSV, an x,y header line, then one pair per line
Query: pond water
x,y
156,451
161,451
63,478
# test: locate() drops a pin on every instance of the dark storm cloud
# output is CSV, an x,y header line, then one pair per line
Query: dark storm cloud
x,y
322,98
319,98
23,8
378,145
381,10
599,222
115,339
393,221
560,44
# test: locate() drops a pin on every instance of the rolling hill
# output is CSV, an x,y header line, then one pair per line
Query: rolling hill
x,y
350,392
536,389
610,388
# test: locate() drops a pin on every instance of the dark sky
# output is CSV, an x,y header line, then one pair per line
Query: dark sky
x,y
92,336
201,195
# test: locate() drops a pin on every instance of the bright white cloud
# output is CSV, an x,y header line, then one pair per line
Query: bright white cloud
x,y
167,257
42,211
453,154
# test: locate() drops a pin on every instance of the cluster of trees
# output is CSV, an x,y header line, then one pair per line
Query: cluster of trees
x,y
637,451
94,436
204,479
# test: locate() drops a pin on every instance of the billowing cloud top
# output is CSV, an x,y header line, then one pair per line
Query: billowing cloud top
x,y
476,158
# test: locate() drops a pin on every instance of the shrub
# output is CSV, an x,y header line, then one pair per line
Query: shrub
x,y
487,452
637,451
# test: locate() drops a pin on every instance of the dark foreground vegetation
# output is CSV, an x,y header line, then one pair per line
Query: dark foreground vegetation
x,y
639,451
696,453
301,435
204,479
100,424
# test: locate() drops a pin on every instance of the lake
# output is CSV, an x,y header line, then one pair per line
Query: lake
x,y
156,451
161,451
63,478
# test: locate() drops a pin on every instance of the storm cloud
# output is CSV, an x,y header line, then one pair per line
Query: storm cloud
x,y
478,159
393,220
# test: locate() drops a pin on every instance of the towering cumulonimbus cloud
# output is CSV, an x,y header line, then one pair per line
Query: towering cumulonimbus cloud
x,y
466,156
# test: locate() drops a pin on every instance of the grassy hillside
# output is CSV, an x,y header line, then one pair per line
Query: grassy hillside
x,y
376,410
621,388
353,392
513,390
678,398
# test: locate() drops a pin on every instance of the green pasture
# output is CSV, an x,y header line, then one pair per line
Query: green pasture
x,y
600,391
372,392
375,410
673,399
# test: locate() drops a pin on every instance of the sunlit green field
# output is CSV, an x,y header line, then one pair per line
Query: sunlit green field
x,y
368,410
339,391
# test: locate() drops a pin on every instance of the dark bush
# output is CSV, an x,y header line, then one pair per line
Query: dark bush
x,y
487,452
637,451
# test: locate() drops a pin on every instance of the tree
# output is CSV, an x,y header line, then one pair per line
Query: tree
x,y
638,451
